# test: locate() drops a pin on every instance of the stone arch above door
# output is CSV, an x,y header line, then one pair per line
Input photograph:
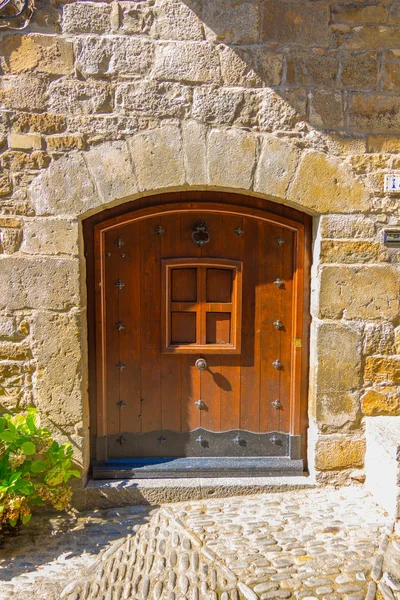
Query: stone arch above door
x,y
197,157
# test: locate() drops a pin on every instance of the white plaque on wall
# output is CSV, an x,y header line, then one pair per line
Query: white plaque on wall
x,y
392,182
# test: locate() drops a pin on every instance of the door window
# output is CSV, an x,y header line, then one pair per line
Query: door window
x,y
201,305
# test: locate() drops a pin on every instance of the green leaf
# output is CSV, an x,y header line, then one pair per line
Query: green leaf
x,y
14,477
38,466
26,518
28,448
23,486
74,473
13,522
8,436
32,420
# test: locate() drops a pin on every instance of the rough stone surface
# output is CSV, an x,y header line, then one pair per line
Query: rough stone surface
x,y
359,293
276,167
339,452
158,159
324,185
112,171
224,151
59,191
382,401
39,283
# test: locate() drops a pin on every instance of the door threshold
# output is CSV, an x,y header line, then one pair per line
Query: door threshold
x,y
171,467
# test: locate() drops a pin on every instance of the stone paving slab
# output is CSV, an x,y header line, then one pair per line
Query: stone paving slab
x,y
322,544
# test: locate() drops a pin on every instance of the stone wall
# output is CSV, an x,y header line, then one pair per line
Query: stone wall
x,y
294,101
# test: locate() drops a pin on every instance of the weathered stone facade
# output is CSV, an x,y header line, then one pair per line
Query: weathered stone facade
x,y
293,101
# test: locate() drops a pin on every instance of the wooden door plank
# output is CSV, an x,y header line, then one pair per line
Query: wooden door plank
x,y
211,379
230,365
251,319
270,337
112,298
129,329
190,376
288,334
171,364
150,326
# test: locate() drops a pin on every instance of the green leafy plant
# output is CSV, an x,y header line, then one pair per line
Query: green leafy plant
x,y
34,468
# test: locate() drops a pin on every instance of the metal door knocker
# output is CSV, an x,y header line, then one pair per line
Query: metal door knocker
x,y
200,233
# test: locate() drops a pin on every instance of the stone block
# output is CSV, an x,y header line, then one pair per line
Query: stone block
x,y
174,20
253,66
100,128
368,292
191,62
391,77
136,17
68,96
312,69
397,339
66,188
371,37
231,159
5,184
21,161
10,239
57,350
276,166
110,56
39,283
111,168
379,338
36,52
45,123
25,141
374,113
359,70
158,158
23,92
326,110
194,152
383,143
337,411
50,236
394,14
87,17
381,401
364,163
326,185
153,99
348,13
215,105
65,143
10,222
339,452
347,226
343,373
296,23
238,24
382,369
15,351
8,328
274,113
335,251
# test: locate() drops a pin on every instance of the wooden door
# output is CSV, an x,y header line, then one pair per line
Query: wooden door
x,y
199,333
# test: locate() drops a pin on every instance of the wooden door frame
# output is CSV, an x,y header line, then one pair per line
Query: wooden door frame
x,y
94,230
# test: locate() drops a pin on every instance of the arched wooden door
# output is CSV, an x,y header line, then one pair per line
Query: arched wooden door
x,y
200,340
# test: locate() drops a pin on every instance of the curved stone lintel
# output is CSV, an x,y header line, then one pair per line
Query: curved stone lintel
x,y
194,156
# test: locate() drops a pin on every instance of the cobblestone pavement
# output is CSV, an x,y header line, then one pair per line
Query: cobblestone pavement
x,y
321,544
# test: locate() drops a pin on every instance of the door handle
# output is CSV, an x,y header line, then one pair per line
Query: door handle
x,y
201,364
